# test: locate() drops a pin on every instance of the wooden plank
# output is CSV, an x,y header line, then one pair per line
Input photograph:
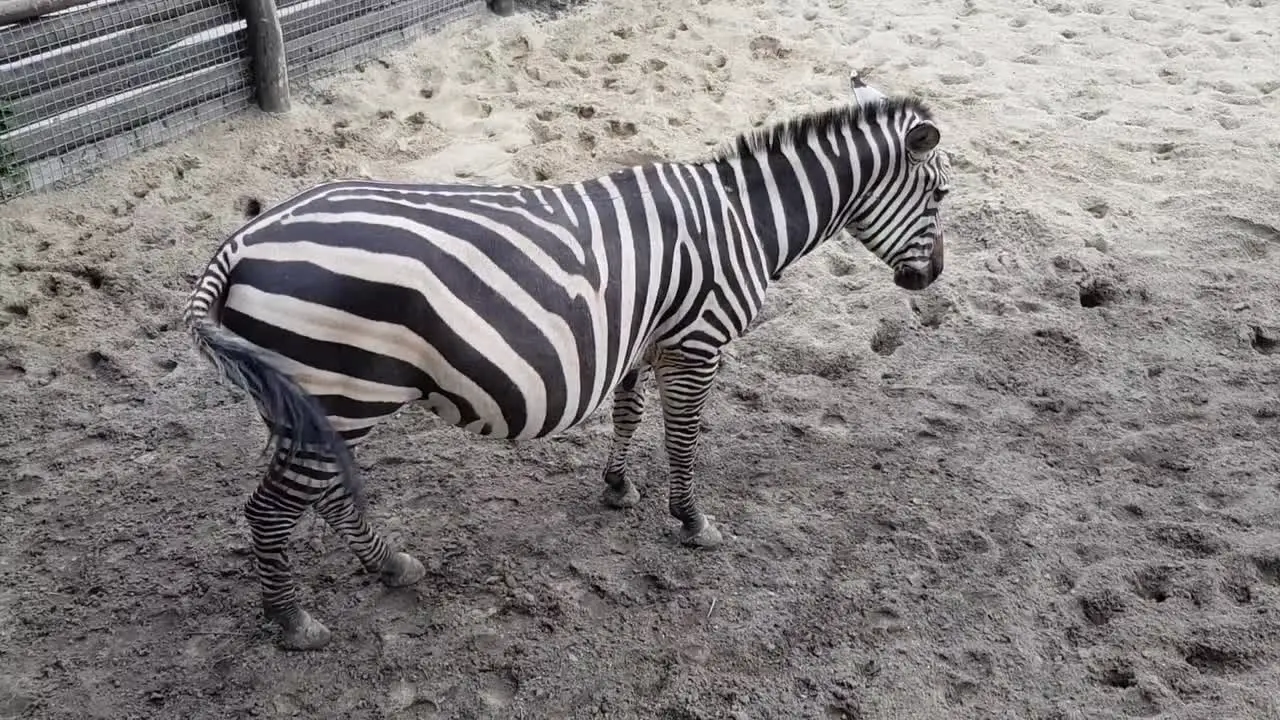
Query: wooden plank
x,y
266,49
36,142
43,35
327,14
308,20
76,165
140,42
311,63
157,68
13,11
394,15
285,4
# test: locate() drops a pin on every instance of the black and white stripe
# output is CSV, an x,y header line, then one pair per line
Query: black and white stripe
x,y
515,311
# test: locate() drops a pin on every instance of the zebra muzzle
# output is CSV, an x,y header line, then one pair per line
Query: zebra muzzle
x,y
920,274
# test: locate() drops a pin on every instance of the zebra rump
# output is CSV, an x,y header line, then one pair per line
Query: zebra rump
x,y
294,418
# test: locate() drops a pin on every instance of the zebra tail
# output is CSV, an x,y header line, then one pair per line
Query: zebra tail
x,y
292,414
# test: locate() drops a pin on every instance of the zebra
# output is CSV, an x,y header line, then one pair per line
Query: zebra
x,y
515,311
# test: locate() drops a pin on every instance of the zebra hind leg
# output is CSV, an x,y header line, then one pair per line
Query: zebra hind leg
x,y
685,381
311,478
394,569
628,408
272,511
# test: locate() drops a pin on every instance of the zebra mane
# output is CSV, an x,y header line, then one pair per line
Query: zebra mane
x,y
787,133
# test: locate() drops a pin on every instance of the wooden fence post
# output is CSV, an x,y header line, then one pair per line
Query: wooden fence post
x,y
502,7
266,51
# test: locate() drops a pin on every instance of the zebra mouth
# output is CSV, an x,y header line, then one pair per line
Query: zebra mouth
x,y
920,274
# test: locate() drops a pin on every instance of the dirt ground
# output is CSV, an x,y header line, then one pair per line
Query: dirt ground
x,y
1047,488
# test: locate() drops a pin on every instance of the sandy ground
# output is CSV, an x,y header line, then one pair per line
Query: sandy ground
x,y
1049,487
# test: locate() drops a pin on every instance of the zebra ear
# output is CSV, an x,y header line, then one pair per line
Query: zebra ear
x,y
862,92
923,137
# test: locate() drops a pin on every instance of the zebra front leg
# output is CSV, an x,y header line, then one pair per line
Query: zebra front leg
x,y
394,569
628,408
272,511
685,381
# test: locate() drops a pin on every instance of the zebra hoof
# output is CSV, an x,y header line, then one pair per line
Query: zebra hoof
x,y
621,499
402,569
706,536
306,633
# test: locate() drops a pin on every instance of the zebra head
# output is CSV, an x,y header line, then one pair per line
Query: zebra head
x,y
897,218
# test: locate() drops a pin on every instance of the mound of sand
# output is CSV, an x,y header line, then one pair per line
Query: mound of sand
x,y
1045,488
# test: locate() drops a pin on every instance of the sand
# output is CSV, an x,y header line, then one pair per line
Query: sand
x,y
1047,487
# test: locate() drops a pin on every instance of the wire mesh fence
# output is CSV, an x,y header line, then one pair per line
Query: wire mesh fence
x,y
327,35
91,84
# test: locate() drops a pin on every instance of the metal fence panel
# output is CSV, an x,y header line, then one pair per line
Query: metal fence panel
x,y
328,35
89,85
92,84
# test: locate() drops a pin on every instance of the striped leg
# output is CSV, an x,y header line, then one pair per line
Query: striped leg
x,y
685,381
628,408
272,512
395,569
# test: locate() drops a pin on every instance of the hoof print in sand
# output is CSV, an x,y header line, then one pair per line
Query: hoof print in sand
x,y
1159,583
840,265
1097,208
931,311
11,368
249,207
886,620
499,688
1153,583
1117,675
622,128
1268,569
767,46
1240,592
103,366
843,710
1264,340
913,547
1138,694
952,547
1194,541
1101,606
18,309
965,674
1057,337
1097,292
887,338
1218,656
1100,291
1256,239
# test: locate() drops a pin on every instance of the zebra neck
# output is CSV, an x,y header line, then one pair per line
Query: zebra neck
x,y
792,200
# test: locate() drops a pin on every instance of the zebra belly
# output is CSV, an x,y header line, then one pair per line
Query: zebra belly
x,y
446,406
